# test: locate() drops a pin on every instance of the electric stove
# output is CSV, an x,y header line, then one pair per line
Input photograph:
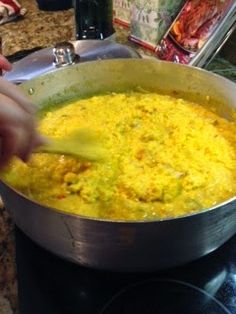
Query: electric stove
x,y
50,285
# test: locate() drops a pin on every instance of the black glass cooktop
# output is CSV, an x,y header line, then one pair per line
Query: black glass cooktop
x,y
50,285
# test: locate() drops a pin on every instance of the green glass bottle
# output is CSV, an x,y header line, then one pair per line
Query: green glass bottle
x,y
93,19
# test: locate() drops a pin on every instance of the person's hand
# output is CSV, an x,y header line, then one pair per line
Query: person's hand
x,y
18,134
5,64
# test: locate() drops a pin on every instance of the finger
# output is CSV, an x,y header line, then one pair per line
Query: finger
x,y
36,141
15,141
27,138
13,117
8,145
13,92
11,113
5,64
23,144
40,141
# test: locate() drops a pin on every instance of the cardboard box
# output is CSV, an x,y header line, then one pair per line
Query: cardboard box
x,y
122,12
150,19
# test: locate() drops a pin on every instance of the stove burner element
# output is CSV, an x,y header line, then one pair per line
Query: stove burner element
x,y
163,296
50,285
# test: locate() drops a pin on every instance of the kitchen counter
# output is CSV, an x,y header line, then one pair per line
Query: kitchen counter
x,y
43,29
36,29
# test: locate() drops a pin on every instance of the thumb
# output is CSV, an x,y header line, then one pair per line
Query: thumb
x,y
40,141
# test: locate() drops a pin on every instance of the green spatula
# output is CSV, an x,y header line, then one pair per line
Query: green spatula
x,y
82,144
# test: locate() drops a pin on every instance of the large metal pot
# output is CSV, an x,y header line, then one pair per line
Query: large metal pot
x,y
126,246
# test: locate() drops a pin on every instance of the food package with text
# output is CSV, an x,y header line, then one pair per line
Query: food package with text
x,y
198,30
122,9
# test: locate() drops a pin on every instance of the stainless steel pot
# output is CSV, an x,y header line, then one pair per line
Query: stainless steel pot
x,y
127,246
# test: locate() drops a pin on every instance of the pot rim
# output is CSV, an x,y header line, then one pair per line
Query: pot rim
x,y
103,220
126,222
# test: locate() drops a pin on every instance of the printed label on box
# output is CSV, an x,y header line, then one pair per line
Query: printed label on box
x,y
122,9
151,19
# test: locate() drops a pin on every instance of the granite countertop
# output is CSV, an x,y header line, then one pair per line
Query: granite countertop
x,y
36,29
43,29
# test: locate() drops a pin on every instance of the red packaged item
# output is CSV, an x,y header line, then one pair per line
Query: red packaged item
x,y
197,32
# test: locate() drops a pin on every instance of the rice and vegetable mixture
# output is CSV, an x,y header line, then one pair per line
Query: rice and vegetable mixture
x,y
167,157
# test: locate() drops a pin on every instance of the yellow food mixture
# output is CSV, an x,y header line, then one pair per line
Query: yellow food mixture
x,y
167,157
